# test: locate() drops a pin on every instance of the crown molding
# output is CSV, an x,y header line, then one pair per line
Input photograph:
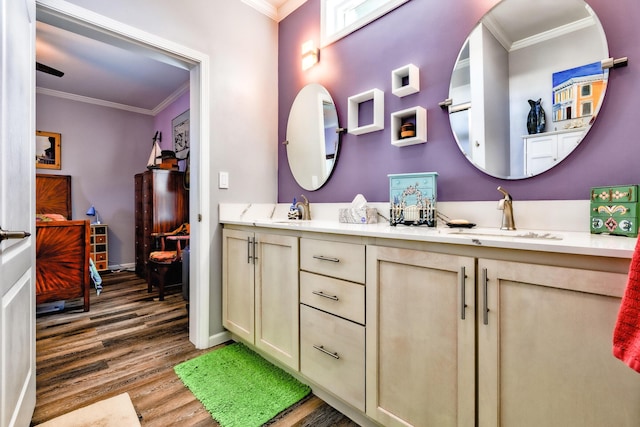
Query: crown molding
x,y
277,14
171,98
78,98
510,45
264,7
551,34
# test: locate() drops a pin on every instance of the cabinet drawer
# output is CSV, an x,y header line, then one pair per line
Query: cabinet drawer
x,y
100,256
332,354
336,259
614,218
101,265
344,299
101,239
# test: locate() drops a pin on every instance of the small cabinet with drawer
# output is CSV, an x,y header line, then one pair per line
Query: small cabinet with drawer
x,y
99,251
332,317
614,210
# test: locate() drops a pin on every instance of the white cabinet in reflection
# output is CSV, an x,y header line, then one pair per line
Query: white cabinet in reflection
x,y
544,150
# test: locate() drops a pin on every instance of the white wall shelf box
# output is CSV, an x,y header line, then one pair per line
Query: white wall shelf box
x,y
353,109
405,80
418,115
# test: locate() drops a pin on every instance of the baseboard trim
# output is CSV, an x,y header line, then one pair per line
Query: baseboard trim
x,y
219,338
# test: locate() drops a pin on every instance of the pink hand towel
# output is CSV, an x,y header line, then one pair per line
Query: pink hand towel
x,y
626,335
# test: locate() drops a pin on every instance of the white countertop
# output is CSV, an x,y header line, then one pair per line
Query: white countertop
x,y
566,242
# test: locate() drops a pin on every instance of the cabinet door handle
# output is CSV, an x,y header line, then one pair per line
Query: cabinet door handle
x,y
251,250
463,302
485,308
255,243
326,258
327,352
323,295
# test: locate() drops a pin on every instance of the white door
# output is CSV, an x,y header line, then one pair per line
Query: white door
x,y
17,212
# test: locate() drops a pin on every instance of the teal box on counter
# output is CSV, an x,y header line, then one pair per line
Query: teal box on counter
x,y
413,198
614,210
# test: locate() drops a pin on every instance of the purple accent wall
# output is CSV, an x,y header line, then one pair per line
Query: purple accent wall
x,y
162,121
430,37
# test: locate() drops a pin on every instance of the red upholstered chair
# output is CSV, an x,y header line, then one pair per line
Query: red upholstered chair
x,y
165,266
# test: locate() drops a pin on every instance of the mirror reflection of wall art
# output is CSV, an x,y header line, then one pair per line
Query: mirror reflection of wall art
x,y
180,127
47,150
577,92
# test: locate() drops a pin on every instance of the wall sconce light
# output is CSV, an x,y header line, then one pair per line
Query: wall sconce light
x,y
310,54
93,212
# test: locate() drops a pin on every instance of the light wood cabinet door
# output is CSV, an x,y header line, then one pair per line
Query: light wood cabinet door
x,y
420,338
238,296
277,297
545,348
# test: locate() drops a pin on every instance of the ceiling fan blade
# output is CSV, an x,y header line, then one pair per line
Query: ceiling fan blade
x,y
48,70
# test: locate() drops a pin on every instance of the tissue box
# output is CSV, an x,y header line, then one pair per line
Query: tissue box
x,y
413,198
358,216
614,210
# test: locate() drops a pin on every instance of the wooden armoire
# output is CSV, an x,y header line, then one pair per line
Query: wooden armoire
x,y
161,205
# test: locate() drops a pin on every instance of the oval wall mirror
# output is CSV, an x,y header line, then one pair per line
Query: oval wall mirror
x,y
312,137
520,51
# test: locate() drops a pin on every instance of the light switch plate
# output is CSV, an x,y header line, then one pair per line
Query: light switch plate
x,y
223,179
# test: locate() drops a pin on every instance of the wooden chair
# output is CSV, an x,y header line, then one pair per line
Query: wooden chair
x,y
165,266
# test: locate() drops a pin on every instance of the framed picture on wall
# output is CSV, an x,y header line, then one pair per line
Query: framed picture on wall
x,y
180,127
47,150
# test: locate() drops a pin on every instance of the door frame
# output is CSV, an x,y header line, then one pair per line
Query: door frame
x,y
83,21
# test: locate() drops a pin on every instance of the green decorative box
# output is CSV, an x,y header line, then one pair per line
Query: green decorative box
x,y
413,198
614,210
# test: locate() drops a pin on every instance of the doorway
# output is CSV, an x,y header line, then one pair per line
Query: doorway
x,y
70,18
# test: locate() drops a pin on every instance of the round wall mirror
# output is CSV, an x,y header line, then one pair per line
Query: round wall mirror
x,y
312,137
521,56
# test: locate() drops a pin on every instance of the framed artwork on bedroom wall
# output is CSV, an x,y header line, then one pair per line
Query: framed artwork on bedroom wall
x,y
48,150
180,126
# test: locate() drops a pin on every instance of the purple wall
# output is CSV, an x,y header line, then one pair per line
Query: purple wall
x,y
430,37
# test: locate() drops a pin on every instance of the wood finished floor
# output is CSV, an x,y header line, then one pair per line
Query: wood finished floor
x,y
130,342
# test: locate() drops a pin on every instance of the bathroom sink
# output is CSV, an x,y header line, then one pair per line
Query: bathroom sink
x,y
507,233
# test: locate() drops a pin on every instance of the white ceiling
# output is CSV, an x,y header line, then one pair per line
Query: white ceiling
x,y
99,71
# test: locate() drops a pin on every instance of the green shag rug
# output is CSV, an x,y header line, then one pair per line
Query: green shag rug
x,y
240,388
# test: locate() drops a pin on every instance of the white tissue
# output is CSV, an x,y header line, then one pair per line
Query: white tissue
x,y
359,202
358,212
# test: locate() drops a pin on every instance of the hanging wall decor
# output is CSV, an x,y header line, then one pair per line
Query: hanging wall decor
x,y
48,150
180,127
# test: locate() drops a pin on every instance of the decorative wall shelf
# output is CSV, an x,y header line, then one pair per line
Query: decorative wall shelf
x,y
354,127
416,115
405,80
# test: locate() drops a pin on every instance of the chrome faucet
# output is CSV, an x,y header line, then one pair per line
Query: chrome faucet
x,y
304,207
506,206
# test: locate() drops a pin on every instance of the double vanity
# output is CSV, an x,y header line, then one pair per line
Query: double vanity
x,y
434,326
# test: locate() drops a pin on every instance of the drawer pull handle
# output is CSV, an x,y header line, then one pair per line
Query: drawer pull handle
x,y
326,258
323,295
327,352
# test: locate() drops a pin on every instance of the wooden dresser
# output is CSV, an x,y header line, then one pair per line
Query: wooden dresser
x,y
161,205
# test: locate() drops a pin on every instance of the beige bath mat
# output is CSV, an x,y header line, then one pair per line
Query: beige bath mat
x,y
116,411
